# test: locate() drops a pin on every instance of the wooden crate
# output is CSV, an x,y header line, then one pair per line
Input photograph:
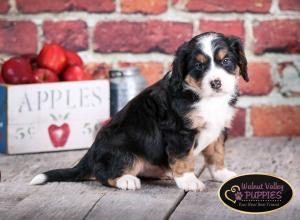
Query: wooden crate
x,y
51,116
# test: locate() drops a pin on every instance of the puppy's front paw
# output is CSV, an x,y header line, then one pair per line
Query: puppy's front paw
x,y
189,182
223,175
128,182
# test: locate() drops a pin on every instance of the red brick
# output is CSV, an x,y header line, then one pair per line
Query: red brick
x,y
277,36
18,37
238,124
146,6
234,27
281,120
140,37
69,34
152,71
260,80
36,6
256,6
4,6
292,5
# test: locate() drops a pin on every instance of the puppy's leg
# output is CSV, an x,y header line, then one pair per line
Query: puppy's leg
x,y
126,182
183,172
155,172
129,181
214,158
120,174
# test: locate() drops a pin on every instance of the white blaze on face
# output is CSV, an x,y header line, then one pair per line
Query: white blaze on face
x,y
214,72
213,106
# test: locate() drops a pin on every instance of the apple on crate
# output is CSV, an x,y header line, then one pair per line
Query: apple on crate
x,y
73,59
76,73
52,60
1,79
44,75
53,57
17,70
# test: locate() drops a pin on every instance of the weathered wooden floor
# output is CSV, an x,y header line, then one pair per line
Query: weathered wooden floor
x,y
156,199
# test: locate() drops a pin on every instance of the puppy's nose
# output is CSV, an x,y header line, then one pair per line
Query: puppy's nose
x,y
215,84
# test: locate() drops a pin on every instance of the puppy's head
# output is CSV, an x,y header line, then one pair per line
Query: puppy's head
x,y
210,63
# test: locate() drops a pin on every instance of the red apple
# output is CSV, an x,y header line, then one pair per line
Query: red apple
x,y
87,76
1,79
32,59
59,134
53,57
17,70
42,75
75,73
73,59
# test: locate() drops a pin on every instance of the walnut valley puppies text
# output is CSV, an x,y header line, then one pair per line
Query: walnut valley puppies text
x,y
262,191
255,193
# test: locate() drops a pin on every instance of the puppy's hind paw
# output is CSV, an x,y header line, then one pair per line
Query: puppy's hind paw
x,y
128,182
189,182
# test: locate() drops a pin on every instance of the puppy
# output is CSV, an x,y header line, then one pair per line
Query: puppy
x,y
159,132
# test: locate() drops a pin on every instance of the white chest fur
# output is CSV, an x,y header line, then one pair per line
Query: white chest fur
x,y
217,114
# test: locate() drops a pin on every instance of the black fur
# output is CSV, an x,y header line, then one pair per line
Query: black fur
x,y
152,126
238,50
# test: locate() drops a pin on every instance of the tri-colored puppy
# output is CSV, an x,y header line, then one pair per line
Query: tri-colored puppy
x,y
160,131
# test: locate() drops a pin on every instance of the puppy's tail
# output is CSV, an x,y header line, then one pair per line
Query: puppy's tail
x,y
74,174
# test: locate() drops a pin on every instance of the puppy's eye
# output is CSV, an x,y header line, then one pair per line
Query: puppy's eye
x,y
227,62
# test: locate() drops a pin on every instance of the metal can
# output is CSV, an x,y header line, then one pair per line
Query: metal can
x,y
125,84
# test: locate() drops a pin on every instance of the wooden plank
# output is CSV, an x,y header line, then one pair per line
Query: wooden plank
x,y
272,155
18,170
11,194
10,166
151,202
20,201
287,162
56,201
154,201
250,155
21,168
288,167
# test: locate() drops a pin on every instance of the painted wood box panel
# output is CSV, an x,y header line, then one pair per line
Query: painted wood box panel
x,y
52,116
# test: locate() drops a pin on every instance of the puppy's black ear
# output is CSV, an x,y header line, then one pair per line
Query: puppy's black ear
x,y
236,45
179,66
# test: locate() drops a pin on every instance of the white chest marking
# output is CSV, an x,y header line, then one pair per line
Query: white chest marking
x,y
217,114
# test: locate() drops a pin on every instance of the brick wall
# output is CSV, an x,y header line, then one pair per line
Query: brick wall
x,y
145,33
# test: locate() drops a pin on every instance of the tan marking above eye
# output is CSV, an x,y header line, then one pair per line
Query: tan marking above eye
x,y
201,58
221,54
